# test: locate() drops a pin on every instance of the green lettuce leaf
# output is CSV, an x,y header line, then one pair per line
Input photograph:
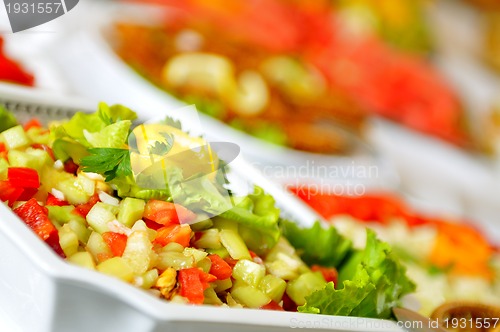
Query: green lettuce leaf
x,y
112,136
7,119
317,245
371,282
339,302
107,128
258,218
115,113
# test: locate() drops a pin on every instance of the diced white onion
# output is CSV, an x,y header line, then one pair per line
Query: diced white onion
x,y
59,165
108,199
93,176
117,227
58,194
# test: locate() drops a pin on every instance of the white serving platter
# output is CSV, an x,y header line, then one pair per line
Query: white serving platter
x,y
40,292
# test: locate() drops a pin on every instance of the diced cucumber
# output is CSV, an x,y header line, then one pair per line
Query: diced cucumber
x,y
140,225
304,285
117,267
222,252
99,217
209,239
250,296
173,246
282,247
51,177
42,158
15,138
222,285
249,272
81,231
211,297
176,260
85,184
282,270
21,159
205,264
111,208
73,191
64,214
38,135
98,248
234,244
138,252
68,240
83,259
201,225
4,167
148,279
131,210
198,255
273,287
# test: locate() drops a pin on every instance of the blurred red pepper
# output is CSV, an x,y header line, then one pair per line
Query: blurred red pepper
x,y
11,71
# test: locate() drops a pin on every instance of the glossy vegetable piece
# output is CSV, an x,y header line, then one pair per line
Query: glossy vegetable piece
x,y
84,209
36,217
23,177
166,213
116,242
193,283
220,268
174,233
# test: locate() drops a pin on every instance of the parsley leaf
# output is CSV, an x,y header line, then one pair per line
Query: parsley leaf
x,y
159,148
109,162
172,123
162,148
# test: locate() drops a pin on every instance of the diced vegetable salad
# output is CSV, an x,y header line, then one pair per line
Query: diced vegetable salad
x,y
82,186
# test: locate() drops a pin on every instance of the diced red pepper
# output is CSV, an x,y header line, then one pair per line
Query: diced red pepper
x,y
220,268
23,177
53,201
36,217
273,306
9,193
193,282
33,123
288,303
3,147
173,233
83,209
70,166
46,148
151,224
231,261
116,242
167,213
27,194
329,273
